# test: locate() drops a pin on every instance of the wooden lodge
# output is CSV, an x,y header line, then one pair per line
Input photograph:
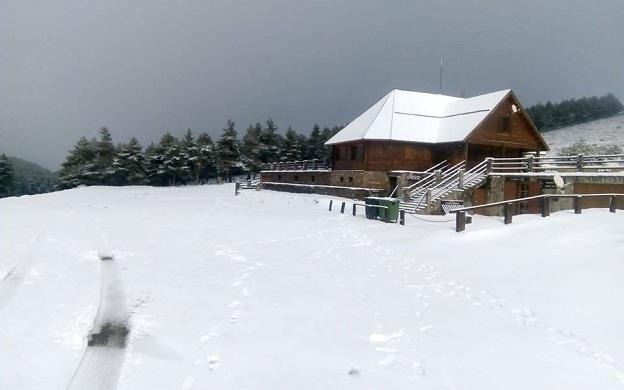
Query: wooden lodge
x,y
413,131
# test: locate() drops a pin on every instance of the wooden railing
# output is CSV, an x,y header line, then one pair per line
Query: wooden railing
x,y
460,213
577,163
302,165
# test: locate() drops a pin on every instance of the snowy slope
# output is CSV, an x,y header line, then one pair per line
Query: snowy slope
x,y
609,131
271,291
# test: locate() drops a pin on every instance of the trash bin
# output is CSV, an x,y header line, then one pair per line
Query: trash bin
x,y
372,212
391,213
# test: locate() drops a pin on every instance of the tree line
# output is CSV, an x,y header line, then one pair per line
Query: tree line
x,y
551,116
190,159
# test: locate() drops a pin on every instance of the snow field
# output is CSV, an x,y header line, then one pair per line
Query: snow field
x,y
270,290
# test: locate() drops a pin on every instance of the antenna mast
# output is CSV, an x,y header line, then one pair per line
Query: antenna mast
x,y
441,67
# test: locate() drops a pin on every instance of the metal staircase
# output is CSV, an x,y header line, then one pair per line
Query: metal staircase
x,y
440,183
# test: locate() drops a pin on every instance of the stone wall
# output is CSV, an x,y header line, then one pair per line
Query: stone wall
x,y
363,179
319,177
343,192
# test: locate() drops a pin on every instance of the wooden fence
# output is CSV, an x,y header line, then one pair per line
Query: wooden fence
x,y
460,213
303,165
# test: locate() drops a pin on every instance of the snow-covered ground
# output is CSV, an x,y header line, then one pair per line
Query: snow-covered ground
x,y
609,131
269,290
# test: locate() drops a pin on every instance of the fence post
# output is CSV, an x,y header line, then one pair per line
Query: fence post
x,y
402,217
438,176
236,188
545,206
508,213
578,208
460,221
354,209
488,165
342,208
460,179
579,163
529,159
612,204
330,204
314,164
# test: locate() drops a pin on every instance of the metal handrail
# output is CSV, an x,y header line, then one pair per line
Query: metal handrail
x,y
432,172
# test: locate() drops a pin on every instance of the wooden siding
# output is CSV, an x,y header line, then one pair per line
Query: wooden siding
x,y
520,134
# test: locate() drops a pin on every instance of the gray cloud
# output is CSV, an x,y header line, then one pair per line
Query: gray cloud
x,y
146,66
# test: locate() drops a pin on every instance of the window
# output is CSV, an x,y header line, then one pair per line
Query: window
x,y
279,177
350,179
312,178
356,152
341,179
296,178
504,124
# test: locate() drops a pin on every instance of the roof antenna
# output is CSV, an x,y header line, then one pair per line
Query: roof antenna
x,y
441,66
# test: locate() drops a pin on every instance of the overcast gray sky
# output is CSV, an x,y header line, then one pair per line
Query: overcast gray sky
x,y
142,67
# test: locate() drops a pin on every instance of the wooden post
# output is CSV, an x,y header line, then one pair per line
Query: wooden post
x,y
578,208
545,206
612,204
579,163
354,209
488,164
402,217
236,188
461,179
508,213
342,207
438,176
529,159
460,221
330,204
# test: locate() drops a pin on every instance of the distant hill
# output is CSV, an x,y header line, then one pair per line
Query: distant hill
x,y
551,116
599,135
32,178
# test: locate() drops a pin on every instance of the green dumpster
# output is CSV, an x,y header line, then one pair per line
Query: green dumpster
x,y
372,212
392,211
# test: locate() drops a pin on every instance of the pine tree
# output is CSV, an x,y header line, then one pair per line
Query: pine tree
x,y
270,142
129,164
291,149
206,167
228,151
104,154
78,165
7,176
316,147
252,148
189,152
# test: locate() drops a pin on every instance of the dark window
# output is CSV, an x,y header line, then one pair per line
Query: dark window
x,y
356,152
341,179
312,178
279,177
350,179
296,178
504,124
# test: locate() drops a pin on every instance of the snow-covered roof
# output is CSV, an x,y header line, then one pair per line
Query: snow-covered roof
x,y
420,117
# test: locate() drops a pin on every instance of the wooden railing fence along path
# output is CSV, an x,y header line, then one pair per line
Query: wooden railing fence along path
x,y
576,163
303,165
460,213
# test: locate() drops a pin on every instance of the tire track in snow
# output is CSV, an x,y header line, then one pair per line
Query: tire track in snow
x,y
101,364
13,279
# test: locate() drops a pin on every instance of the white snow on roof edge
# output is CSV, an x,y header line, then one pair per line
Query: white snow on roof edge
x,y
420,117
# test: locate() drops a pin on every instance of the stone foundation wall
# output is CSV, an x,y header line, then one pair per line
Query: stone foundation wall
x,y
343,192
364,179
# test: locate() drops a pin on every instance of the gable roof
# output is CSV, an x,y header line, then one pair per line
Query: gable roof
x,y
420,117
